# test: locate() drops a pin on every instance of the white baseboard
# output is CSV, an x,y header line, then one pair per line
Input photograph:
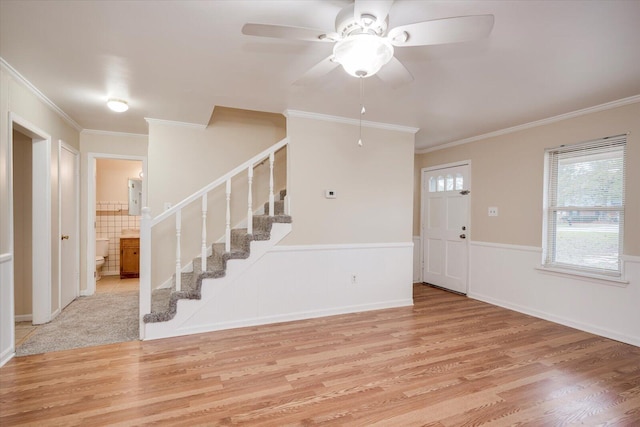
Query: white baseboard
x,y
586,327
24,317
508,276
297,282
313,314
110,273
7,355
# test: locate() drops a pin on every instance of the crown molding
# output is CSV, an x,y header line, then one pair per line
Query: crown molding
x,y
542,122
174,123
349,121
41,96
112,133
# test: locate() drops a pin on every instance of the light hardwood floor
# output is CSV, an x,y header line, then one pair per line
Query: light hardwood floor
x,y
448,361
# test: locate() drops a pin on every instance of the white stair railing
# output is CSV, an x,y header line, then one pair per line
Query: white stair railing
x,y
147,223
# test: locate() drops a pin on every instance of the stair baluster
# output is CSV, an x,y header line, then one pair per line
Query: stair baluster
x,y
178,260
227,233
203,254
271,197
250,202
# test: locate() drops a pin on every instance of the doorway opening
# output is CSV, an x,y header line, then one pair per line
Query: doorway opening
x,y
116,192
445,226
30,226
98,317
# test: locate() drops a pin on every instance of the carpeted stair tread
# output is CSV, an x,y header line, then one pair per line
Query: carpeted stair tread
x,y
278,207
164,302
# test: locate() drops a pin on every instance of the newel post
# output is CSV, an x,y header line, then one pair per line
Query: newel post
x,y
145,266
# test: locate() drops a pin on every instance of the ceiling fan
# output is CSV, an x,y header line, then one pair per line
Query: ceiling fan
x,y
364,45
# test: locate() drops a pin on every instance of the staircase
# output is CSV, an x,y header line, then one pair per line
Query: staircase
x,y
199,298
164,302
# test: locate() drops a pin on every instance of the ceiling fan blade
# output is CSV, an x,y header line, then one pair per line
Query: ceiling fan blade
x,y
378,8
286,32
395,73
320,69
439,31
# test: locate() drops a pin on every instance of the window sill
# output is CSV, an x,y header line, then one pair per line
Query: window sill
x,y
597,278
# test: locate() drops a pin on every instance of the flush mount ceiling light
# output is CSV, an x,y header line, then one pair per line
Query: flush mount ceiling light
x,y
117,105
362,55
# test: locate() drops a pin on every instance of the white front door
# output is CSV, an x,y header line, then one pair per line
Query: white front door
x,y
445,226
69,238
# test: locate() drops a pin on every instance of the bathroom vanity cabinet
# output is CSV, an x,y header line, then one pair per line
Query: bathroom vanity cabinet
x,y
129,257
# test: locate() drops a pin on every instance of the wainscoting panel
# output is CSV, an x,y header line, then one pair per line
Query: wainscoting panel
x,y
7,322
300,282
509,276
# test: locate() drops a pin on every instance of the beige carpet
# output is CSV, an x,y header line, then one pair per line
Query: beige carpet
x,y
88,321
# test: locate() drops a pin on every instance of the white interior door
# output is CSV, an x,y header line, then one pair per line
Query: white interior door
x,y
445,226
69,236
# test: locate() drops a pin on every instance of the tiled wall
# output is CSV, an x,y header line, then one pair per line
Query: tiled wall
x,y
111,219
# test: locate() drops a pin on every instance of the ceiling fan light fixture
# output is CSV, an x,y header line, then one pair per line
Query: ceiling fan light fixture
x,y
362,55
117,105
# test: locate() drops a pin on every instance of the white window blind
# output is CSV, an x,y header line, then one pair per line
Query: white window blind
x,y
584,206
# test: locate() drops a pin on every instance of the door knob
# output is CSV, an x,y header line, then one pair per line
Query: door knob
x,y
64,237
463,236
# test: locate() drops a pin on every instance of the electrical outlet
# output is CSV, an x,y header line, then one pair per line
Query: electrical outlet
x,y
354,279
493,211
330,194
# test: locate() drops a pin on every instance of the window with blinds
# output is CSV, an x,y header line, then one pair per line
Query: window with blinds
x,y
584,206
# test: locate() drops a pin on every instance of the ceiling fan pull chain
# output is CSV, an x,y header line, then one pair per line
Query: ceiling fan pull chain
x,y
362,110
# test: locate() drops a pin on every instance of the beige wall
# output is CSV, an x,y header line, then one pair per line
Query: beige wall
x,y
508,170
22,102
22,194
184,159
374,184
17,99
112,178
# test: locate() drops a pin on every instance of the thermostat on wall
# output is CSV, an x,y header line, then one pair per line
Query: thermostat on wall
x,y
330,194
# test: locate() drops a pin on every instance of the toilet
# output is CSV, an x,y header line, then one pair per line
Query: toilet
x,y
102,251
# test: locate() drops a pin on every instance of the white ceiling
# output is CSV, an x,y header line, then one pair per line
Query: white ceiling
x,y
177,60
